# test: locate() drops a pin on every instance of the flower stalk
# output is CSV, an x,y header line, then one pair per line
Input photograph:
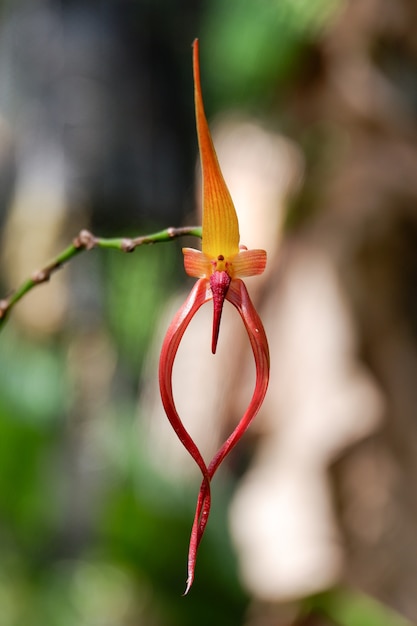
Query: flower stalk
x,y
85,240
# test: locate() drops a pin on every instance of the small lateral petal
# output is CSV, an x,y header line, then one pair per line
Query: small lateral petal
x,y
196,263
249,263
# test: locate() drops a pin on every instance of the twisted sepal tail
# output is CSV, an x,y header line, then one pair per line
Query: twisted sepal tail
x,y
197,297
238,295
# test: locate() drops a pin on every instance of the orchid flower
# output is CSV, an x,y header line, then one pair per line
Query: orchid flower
x,y
219,267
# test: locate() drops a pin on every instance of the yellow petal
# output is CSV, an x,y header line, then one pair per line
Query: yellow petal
x,y
220,225
249,263
196,263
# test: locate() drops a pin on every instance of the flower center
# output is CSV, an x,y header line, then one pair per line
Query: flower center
x,y
221,264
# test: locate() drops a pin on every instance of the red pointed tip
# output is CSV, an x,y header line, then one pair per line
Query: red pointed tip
x,y
188,585
201,516
219,283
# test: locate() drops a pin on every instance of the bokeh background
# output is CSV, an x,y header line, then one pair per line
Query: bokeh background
x,y
313,105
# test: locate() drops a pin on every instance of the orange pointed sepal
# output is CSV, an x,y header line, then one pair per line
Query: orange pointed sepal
x,y
220,225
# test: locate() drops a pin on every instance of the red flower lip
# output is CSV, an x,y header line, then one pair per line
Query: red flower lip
x,y
219,285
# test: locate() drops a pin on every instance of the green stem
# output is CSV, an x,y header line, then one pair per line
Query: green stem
x,y
87,241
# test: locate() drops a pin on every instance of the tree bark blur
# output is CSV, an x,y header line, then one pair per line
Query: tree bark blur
x,y
361,96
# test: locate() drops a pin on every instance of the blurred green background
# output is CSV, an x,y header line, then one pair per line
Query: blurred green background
x,y
96,99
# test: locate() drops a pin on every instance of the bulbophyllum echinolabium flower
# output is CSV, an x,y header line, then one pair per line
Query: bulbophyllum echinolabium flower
x,y
219,267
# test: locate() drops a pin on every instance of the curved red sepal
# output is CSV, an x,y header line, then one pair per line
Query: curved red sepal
x,y
239,297
198,296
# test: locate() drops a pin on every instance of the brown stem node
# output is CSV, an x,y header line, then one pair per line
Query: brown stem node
x,y
41,276
84,239
128,245
4,306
